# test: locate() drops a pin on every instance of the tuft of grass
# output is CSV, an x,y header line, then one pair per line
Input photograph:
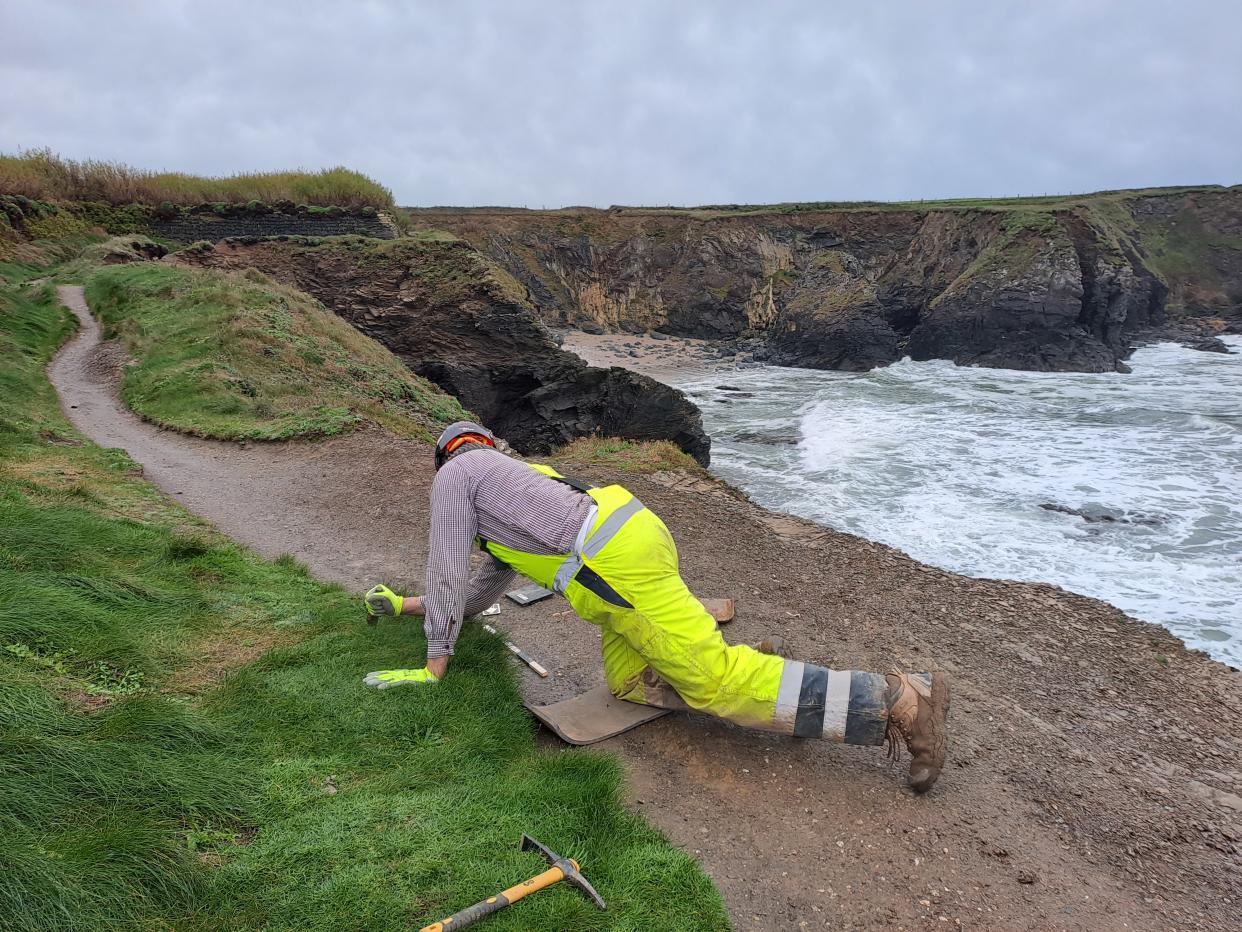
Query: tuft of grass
x,y
642,456
185,741
237,356
43,175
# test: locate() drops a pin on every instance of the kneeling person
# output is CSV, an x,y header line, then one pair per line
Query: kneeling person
x,y
616,564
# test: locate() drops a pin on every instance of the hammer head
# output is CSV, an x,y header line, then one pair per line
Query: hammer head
x,y
568,866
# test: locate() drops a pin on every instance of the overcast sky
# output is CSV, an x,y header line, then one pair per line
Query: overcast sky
x,y
546,103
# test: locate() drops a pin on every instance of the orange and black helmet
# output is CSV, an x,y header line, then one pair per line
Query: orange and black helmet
x,y
457,435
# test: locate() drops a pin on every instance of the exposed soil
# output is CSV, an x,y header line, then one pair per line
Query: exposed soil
x,y
1095,775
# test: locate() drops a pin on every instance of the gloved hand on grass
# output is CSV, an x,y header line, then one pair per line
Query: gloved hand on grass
x,y
381,600
387,679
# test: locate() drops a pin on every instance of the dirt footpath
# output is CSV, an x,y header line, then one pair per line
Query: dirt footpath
x,y
1095,772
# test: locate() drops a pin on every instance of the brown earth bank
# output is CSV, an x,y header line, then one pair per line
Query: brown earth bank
x,y
455,318
1043,283
1093,781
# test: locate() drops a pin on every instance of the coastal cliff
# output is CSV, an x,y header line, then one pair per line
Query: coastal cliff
x,y
455,318
1058,284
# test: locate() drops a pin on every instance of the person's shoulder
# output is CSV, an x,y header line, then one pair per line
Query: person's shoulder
x,y
471,464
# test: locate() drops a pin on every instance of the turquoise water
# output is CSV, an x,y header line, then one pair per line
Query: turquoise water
x,y
954,465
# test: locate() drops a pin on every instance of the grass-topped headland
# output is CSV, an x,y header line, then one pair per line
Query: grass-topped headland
x,y
237,356
43,175
185,741
1043,202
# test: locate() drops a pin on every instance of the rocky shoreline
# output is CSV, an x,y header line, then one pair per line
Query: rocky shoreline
x,y
667,358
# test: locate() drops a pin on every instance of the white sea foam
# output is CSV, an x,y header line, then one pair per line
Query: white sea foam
x,y
953,464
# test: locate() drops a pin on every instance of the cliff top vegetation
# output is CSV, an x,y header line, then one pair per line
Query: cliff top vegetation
x,y
704,211
43,175
237,356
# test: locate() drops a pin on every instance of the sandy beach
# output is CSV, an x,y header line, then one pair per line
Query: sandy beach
x,y
671,360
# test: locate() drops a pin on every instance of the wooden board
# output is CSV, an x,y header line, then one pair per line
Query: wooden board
x,y
593,716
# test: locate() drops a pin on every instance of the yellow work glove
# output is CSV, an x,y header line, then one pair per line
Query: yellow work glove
x,y
387,679
381,600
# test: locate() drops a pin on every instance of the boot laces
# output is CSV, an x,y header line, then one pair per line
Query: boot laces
x,y
893,740
895,733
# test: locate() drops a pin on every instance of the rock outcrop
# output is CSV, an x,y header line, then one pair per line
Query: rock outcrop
x,y
455,318
1047,284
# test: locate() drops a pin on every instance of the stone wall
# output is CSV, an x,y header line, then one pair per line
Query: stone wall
x,y
189,227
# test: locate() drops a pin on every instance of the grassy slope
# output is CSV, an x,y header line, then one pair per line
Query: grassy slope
x,y
43,175
236,356
141,790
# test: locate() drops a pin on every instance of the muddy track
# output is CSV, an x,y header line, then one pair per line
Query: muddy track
x,y
1094,779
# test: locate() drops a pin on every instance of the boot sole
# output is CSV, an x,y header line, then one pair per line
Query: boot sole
x,y
939,701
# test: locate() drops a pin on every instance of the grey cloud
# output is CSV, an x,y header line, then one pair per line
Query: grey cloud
x,y
553,103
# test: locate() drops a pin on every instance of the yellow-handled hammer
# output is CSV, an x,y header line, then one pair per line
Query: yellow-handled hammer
x,y
561,869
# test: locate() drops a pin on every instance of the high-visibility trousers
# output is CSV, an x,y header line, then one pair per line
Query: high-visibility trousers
x,y
662,647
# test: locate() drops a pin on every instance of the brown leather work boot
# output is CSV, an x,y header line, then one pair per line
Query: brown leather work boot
x,y
918,706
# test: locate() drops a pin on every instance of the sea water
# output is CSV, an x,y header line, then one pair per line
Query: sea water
x,y
1127,487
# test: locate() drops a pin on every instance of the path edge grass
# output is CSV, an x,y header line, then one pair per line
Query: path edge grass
x,y
222,872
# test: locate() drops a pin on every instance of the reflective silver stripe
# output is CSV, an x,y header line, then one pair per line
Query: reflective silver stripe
x,y
787,696
580,540
608,530
836,704
591,546
568,569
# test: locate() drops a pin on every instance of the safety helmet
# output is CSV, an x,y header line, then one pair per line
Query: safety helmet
x,y
459,433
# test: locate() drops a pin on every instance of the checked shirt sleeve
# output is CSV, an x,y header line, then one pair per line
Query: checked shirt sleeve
x,y
454,524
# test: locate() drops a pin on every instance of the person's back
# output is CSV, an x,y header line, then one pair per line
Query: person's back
x,y
514,504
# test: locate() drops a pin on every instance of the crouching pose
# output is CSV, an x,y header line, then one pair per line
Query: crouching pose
x,y
616,564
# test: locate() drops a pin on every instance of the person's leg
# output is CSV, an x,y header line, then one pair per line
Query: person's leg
x,y
663,637
631,678
666,643
668,638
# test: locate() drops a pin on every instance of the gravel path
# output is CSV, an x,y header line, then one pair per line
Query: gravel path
x,y
1095,776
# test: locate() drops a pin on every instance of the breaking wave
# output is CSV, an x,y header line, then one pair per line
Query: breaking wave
x,y
1127,488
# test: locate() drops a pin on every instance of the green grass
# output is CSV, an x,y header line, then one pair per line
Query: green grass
x,y
1180,249
625,455
237,356
185,742
43,175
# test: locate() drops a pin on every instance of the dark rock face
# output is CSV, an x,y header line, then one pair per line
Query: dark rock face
x,y
1099,515
540,406
454,318
1022,313
853,339
832,319
1037,293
